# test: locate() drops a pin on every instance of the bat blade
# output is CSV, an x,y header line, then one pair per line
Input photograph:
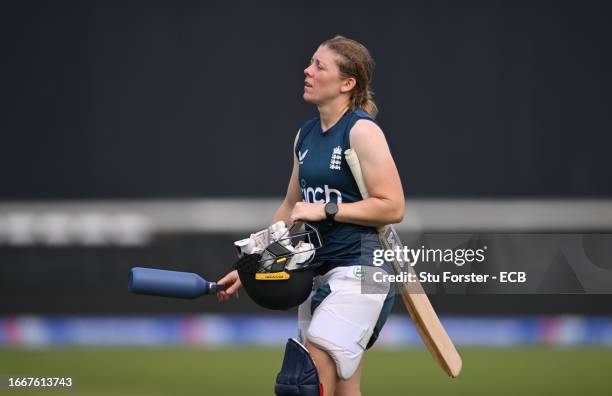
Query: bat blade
x,y
422,313
426,321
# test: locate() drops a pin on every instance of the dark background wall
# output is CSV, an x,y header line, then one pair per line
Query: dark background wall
x,y
179,99
152,99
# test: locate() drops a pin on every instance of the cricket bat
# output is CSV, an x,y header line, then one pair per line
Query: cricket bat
x,y
419,307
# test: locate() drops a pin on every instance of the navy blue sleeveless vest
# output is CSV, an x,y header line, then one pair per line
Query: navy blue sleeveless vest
x,y
324,176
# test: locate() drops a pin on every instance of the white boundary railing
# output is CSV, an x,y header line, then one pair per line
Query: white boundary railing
x,y
134,221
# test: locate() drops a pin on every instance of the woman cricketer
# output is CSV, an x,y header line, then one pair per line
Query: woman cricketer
x,y
337,323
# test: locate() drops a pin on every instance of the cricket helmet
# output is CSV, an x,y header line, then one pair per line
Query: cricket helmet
x,y
281,276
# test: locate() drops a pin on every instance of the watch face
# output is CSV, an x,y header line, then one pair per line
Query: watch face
x,y
331,209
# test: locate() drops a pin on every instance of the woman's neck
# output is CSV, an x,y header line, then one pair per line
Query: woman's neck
x,y
330,113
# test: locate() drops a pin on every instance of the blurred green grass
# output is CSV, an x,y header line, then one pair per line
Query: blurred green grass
x,y
165,372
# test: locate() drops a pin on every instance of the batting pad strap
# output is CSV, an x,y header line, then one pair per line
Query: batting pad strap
x,y
298,376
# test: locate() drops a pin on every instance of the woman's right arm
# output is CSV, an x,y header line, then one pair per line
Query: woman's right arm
x,y
293,195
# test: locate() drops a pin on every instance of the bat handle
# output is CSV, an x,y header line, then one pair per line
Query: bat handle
x,y
165,283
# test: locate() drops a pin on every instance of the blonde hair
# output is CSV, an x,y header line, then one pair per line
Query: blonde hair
x,y
355,61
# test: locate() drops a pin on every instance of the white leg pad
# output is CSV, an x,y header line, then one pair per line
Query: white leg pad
x,y
344,321
344,341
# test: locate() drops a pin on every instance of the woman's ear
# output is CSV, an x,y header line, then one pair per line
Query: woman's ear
x,y
348,84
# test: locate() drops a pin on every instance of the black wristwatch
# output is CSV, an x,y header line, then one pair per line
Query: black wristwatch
x,y
331,208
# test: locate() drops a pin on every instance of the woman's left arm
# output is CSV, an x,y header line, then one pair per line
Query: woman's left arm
x,y
385,204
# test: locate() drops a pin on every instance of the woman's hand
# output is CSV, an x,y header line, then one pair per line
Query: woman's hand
x,y
232,283
305,211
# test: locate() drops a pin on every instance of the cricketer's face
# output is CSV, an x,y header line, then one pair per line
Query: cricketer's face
x,y
322,80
